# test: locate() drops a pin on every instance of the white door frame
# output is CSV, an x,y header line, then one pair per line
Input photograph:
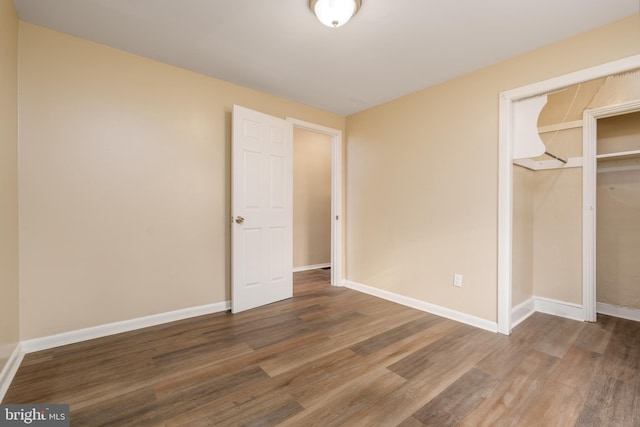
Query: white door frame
x,y
337,277
505,168
589,179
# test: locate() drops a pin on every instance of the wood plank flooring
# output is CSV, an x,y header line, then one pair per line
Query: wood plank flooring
x,y
332,356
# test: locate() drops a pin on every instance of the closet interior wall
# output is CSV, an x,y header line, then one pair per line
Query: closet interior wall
x,y
547,210
522,247
557,199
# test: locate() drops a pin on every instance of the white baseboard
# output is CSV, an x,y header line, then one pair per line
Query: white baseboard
x,y
10,368
559,308
520,312
310,267
425,306
617,311
71,337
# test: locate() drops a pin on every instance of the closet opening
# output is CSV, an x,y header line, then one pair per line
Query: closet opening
x,y
311,217
618,216
612,225
554,270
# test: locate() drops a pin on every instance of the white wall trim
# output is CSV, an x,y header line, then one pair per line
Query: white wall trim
x,y
523,310
425,306
617,311
79,335
505,212
559,308
337,216
310,267
505,167
10,369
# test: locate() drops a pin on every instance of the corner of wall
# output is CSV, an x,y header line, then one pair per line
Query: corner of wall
x,y
9,286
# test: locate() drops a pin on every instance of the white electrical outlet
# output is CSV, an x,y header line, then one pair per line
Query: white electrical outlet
x,y
457,280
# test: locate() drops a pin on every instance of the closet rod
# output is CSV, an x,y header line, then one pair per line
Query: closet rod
x,y
556,157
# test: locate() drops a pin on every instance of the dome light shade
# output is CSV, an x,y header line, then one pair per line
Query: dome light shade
x,y
334,13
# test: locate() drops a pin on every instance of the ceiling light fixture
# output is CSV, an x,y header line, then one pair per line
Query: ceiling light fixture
x,y
334,13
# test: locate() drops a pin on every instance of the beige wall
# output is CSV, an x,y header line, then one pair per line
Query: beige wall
x,y
124,183
9,325
422,175
618,215
522,245
311,198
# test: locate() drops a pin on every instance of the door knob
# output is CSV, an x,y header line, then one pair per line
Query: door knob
x,y
239,219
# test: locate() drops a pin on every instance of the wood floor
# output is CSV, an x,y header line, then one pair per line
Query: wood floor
x,y
333,356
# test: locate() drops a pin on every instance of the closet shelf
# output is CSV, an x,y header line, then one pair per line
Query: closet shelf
x,y
538,165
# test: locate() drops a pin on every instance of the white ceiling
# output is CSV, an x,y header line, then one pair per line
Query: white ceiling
x,y
389,49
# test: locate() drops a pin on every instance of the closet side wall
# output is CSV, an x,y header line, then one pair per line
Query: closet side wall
x,y
522,248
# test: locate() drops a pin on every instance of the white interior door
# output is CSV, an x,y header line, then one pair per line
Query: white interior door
x,y
262,209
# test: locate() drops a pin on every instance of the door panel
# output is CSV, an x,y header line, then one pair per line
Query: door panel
x,y
262,208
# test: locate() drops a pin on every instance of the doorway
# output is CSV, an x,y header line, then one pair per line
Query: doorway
x,y
336,218
311,201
